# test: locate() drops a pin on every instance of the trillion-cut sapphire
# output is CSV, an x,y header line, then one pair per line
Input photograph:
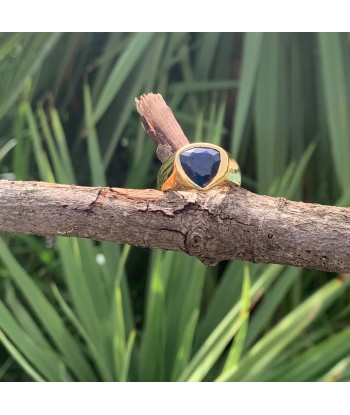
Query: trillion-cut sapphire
x,y
201,164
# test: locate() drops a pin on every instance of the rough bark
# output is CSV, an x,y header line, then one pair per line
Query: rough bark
x,y
213,226
160,124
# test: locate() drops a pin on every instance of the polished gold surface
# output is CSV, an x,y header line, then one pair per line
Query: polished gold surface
x,y
228,173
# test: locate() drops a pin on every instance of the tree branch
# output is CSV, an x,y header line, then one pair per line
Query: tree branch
x,y
216,225
213,226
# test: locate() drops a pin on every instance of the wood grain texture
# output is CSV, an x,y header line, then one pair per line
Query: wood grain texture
x,y
160,124
213,226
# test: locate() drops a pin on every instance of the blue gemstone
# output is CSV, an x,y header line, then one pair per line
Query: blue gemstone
x,y
201,164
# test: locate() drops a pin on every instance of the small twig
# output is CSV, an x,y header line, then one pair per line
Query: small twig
x,y
160,124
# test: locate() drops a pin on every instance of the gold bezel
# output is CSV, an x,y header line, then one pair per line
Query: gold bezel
x,y
222,171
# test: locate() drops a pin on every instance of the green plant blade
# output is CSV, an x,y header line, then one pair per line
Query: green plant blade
x,y
185,284
25,319
127,356
270,303
38,47
125,63
212,348
44,360
262,353
240,338
337,103
183,353
40,156
228,293
57,163
251,55
95,159
61,143
20,359
337,372
151,358
104,371
7,147
86,291
9,43
48,316
319,360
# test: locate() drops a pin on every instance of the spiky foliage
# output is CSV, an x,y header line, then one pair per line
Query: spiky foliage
x,y
74,309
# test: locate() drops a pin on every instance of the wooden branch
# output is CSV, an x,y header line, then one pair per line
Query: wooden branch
x,y
161,125
212,226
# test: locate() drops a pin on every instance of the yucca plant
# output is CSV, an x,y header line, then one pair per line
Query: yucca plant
x,y
80,310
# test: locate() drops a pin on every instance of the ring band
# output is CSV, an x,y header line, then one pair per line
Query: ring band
x,y
199,166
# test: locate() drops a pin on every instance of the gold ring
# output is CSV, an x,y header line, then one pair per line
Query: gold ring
x,y
199,166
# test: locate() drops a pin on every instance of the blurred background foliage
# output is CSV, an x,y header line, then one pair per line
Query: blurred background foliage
x,y
73,309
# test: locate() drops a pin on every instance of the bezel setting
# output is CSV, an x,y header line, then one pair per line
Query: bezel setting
x,y
221,173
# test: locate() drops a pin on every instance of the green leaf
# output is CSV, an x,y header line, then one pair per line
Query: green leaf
x,y
23,149
271,112
37,48
20,359
61,144
25,319
121,70
151,358
127,356
43,359
316,361
9,43
86,291
104,370
203,86
48,316
228,293
40,156
95,159
58,166
185,282
183,353
7,147
251,56
119,342
337,372
206,52
263,353
240,338
212,348
269,304
334,79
